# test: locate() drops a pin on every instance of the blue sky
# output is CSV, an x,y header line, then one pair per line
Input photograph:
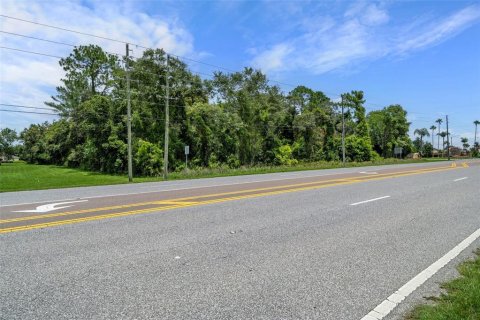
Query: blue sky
x,y
424,55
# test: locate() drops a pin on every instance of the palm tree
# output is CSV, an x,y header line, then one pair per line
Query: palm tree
x,y
443,134
421,133
465,143
439,121
476,123
433,134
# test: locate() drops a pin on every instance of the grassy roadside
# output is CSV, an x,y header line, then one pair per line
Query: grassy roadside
x,y
19,176
461,300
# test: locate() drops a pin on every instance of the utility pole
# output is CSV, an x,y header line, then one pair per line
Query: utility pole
x,y
167,97
129,119
448,140
343,136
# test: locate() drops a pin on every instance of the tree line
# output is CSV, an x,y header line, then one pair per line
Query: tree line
x,y
428,149
234,119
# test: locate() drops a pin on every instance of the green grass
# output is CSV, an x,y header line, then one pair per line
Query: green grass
x,y
461,300
20,176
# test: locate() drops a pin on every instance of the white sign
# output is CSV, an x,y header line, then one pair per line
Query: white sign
x,y
50,207
187,150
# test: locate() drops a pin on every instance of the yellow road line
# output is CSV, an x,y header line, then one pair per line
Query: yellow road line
x,y
175,200
189,204
465,165
150,210
53,215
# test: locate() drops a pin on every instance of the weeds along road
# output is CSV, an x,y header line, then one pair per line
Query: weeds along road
x,y
331,244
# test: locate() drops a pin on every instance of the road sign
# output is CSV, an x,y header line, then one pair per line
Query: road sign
x,y
187,152
398,151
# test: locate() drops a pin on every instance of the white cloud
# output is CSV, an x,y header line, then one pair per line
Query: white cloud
x,y
326,52
274,58
375,16
30,79
369,14
362,35
438,31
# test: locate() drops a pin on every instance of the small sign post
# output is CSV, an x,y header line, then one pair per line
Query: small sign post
x,y
187,152
398,151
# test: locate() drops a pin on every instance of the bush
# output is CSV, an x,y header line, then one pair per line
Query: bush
x,y
358,148
283,156
427,150
148,159
213,162
233,162
374,156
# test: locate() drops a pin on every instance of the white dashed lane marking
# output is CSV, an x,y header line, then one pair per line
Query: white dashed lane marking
x,y
357,203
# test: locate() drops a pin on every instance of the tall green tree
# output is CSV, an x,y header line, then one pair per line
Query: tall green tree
x,y
389,128
234,119
313,124
423,132
355,101
439,121
88,71
262,110
476,123
35,146
358,145
214,134
465,143
7,139
433,132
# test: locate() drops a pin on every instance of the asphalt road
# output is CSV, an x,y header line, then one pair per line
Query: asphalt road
x,y
329,244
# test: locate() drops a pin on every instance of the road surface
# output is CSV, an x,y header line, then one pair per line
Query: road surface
x,y
330,244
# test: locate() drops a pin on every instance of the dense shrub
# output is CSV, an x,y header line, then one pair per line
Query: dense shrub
x,y
148,159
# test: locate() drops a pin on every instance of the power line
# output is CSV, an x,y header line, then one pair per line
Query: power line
x,y
63,29
18,111
72,45
137,45
57,114
51,41
28,107
32,52
123,42
35,38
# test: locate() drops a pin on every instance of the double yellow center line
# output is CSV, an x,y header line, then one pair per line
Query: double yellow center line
x,y
163,205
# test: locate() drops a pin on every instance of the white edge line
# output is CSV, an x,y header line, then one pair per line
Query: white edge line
x,y
380,198
460,179
387,305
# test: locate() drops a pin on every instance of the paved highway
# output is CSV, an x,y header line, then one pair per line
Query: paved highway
x,y
331,244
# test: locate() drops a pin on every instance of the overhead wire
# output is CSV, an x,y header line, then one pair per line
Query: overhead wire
x,y
31,52
34,112
124,41
135,44
27,107
51,41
